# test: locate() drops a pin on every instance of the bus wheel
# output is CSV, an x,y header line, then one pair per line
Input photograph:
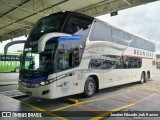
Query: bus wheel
x,y
90,87
142,78
147,77
17,70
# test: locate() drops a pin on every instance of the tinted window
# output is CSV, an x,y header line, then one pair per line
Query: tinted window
x,y
152,47
129,39
69,54
128,63
115,61
139,42
119,64
118,36
107,62
100,32
144,44
45,25
77,25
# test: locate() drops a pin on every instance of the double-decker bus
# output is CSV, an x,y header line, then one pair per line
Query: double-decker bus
x,y
75,53
10,62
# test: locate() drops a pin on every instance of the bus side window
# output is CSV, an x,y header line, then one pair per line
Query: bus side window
x,y
63,62
119,64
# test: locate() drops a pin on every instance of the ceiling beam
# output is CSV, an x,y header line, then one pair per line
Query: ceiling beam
x,y
10,20
104,7
35,13
14,34
21,6
127,2
15,8
109,6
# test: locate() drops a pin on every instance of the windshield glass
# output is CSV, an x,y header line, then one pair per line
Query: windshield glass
x,y
46,25
39,62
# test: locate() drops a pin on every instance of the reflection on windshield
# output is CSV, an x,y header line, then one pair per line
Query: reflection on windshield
x,y
39,62
46,25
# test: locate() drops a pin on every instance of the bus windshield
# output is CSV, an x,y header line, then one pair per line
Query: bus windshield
x,y
39,62
46,25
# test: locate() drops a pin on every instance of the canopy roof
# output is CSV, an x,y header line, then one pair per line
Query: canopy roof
x,y
18,16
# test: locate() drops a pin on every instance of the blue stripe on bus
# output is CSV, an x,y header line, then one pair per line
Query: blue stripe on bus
x,y
34,79
73,37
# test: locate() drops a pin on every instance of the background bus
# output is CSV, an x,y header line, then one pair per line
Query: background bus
x,y
10,62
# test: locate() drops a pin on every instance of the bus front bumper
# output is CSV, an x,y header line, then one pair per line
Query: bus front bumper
x,y
40,91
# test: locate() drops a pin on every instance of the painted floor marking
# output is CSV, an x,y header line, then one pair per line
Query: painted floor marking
x,y
112,111
137,95
74,101
130,98
38,109
149,90
42,110
88,101
119,109
87,108
123,100
141,91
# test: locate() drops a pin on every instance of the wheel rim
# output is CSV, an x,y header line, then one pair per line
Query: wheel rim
x,y
90,88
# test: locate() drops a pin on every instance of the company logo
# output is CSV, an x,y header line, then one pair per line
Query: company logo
x,y
143,53
65,83
21,114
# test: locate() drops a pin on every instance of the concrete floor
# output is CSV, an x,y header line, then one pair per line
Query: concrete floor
x,y
9,78
131,97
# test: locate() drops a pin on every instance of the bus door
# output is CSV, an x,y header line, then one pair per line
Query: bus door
x,y
67,82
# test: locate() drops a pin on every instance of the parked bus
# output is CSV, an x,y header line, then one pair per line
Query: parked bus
x,y
75,53
10,62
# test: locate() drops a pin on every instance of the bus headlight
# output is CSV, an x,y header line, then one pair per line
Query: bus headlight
x,y
46,82
42,83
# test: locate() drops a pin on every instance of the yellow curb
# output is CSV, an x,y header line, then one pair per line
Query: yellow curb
x,y
72,101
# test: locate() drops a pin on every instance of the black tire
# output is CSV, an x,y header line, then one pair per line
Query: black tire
x,y
143,79
90,87
148,76
17,70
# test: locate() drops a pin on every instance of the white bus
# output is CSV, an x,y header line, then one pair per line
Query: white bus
x,y
76,54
